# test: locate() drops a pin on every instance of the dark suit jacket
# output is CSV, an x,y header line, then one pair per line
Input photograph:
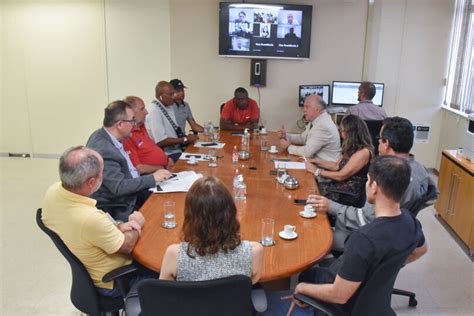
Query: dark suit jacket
x,y
118,185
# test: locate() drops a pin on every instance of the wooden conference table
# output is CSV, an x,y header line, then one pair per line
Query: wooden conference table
x,y
266,198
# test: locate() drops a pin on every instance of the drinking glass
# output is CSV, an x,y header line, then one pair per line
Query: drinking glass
x,y
263,143
216,134
268,228
212,158
169,214
281,169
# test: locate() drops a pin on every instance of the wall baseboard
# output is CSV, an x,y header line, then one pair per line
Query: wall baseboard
x,y
30,155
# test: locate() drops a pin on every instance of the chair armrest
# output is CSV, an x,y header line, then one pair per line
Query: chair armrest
x,y
122,276
119,272
105,205
321,306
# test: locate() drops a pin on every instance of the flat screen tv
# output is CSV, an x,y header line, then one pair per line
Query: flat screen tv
x,y
264,30
346,93
320,89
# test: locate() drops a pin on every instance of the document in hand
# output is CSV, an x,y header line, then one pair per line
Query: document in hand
x,y
181,183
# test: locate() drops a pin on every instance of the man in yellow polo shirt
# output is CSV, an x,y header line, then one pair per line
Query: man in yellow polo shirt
x,y
100,243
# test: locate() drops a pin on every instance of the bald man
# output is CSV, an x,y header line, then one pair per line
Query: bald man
x,y
161,123
320,138
145,155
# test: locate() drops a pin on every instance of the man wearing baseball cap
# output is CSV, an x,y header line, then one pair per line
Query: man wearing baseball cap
x,y
183,111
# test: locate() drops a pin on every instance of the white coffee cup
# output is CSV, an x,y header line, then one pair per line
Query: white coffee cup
x,y
289,230
263,130
308,210
192,159
273,148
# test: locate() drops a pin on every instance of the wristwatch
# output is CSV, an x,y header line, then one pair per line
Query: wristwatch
x,y
317,172
185,140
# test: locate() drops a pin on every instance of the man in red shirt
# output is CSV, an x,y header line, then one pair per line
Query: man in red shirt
x,y
145,155
240,113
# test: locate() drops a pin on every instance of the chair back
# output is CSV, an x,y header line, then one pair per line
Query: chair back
x,y
375,294
227,296
83,293
221,107
428,199
374,127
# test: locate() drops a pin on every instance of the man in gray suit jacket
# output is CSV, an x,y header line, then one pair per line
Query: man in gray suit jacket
x,y
122,182
320,139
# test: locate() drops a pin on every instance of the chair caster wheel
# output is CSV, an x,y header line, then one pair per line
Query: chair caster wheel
x,y
412,302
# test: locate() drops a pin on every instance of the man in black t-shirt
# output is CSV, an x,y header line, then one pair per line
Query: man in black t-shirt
x,y
393,231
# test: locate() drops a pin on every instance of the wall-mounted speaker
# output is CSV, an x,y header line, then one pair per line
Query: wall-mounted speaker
x,y
258,72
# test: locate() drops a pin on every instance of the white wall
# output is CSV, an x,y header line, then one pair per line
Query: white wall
x,y
138,46
452,130
63,61
409,54
337,48
54,73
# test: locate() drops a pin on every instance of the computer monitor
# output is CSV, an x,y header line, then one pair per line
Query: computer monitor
x,y
319,89
346,93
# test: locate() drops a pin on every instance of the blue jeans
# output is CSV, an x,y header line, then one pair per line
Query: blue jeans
x,y
277,307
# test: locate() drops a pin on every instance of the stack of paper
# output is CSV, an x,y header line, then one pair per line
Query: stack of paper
x,y
291,164
199,157
181,183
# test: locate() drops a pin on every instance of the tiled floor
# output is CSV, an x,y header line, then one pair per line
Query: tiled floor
x,y
35,279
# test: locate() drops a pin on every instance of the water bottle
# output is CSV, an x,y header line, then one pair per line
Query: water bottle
x,y
235,182
240,189
235,155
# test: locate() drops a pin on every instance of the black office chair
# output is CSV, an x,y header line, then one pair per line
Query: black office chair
x,y
118,211
227,296
374,295
427,200
374,127
83,292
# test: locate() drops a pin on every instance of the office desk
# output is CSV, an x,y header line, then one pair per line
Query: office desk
x,y
265,198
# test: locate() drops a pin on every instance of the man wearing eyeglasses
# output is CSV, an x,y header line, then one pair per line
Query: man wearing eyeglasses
x,y
162,125
122,182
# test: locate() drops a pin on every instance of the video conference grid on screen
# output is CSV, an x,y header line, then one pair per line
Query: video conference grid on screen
x,y
307,90
346,93
264,30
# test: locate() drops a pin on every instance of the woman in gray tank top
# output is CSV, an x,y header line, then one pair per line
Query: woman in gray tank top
x,y
211,247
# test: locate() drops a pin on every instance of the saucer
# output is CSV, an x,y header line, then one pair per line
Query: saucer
x,y
303,214
273,151
283,235
266,133
191,163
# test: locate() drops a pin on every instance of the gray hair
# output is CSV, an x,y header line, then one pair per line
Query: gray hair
x,y
321,102
76,165
115,111
132,100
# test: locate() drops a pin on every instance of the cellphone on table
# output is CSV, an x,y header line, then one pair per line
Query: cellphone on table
x,y
300,201
273,172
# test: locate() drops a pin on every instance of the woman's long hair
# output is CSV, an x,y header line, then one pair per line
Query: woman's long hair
x,y
210,222
357,136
